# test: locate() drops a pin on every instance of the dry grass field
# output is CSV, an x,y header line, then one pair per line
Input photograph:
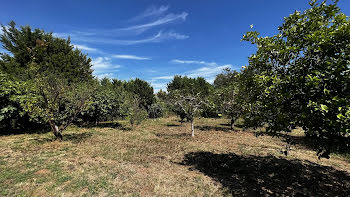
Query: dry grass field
x,y
160,158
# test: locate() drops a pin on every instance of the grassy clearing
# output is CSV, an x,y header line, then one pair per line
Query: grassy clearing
x,y
160,158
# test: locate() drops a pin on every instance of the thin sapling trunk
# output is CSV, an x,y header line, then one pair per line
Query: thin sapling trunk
x,y
192,128
232,123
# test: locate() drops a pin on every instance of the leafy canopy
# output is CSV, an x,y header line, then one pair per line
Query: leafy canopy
x,y
301,76
54,79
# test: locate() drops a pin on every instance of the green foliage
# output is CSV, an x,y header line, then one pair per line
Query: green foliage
x,y
210,110
39,52
301,76
226,78
54,101
155,111
198,88
105,103
162,95
12,115
55,80
227,95
190,85
136,114
10,111
143,90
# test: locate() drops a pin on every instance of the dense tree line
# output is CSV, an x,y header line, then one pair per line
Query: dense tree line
x,y
299,77
45,81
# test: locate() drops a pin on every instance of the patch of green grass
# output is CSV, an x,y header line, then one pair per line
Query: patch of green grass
x,y
3,162
10,177
78,184
343,156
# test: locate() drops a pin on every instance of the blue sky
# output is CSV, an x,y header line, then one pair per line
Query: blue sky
x,y
157,39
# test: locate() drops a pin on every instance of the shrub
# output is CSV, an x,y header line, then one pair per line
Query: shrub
x,y
155,111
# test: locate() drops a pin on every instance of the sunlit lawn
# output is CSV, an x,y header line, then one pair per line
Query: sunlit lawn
x,y
160,158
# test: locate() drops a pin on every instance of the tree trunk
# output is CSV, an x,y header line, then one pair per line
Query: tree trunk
x,y
192,128
56,131
232,122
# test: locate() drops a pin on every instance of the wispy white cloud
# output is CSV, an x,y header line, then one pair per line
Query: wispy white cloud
x,y
159,37
61,34
177,36
160,17
158,86
151,11
169,18
105,75
86,48
177,61
209,73
103,63
163,77
131,57
160,83
103,67
154,39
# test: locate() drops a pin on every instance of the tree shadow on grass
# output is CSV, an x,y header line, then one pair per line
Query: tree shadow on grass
x,y
269,176
114,125
215,128
340,146
173,125
70,137
225,124
76,137
39,129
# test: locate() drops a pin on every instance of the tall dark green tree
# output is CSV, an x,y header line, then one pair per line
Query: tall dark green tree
x,y
188,84
34,51
143,90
